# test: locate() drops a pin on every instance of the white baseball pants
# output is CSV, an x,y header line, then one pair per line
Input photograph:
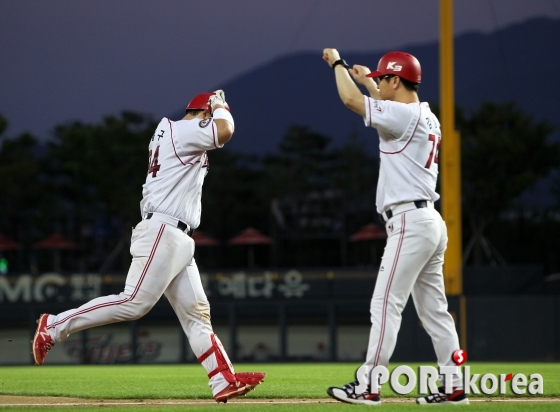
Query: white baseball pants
x,y
162,262
412,263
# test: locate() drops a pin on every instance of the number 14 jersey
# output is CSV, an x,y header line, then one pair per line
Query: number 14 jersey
x,y
177,165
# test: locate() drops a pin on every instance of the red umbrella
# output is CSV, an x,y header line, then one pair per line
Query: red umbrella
x,y
369,232
200,239
55,241
250,237
8,244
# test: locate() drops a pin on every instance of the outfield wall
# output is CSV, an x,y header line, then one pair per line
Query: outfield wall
x,y
320,315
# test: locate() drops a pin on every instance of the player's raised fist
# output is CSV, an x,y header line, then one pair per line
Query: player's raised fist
x,y
330,56
359,73
220,93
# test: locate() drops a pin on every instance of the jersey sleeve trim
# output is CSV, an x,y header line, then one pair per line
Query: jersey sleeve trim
x,y
369,111
215,135
411,135
367,117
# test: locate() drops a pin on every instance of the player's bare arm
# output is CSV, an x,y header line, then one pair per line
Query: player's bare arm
x,y
359,73
347,89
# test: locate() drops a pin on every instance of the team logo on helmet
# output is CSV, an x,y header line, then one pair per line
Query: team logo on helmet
x,y
204,122
391,66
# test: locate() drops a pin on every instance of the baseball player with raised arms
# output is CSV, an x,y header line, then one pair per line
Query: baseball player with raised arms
x,y
412,263
162,248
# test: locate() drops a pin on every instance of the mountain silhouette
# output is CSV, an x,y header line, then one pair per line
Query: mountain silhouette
x,y
515,63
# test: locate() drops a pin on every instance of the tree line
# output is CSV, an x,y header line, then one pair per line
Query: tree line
x,y
85,182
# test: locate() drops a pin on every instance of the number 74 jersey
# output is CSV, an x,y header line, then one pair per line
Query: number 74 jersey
x,y
409,140
177,165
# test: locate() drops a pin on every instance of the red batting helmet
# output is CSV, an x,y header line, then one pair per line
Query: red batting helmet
x,y
399,64
200,102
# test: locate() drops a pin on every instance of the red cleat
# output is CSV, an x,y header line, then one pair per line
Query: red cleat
x,y
244,382
42,341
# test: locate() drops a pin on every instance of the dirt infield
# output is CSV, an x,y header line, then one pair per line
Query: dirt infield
x,y
45,401
11,400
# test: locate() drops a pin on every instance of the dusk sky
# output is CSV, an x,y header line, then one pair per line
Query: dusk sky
x,y
81,60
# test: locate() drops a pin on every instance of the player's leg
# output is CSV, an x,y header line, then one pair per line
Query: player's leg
x,y
155,262
189,301
430,301
409,245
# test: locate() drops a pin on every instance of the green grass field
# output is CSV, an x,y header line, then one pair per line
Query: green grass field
x,y
284,382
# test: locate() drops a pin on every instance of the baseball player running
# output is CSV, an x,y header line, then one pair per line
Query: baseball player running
x,y
162,249
409,139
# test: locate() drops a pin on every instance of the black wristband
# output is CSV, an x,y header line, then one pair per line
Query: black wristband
x,y
340,61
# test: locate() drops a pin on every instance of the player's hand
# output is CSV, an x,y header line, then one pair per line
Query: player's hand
x,y
221,94
330,56
359,73
217,99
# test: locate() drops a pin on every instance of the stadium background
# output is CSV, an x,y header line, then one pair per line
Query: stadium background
x,y
302,292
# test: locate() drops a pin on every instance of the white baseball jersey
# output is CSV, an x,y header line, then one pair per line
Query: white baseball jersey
x,y
409,139
412,262
163,256
178,164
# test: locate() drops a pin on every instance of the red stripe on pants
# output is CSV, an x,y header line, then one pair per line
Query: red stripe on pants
x,y
103,305
386,297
